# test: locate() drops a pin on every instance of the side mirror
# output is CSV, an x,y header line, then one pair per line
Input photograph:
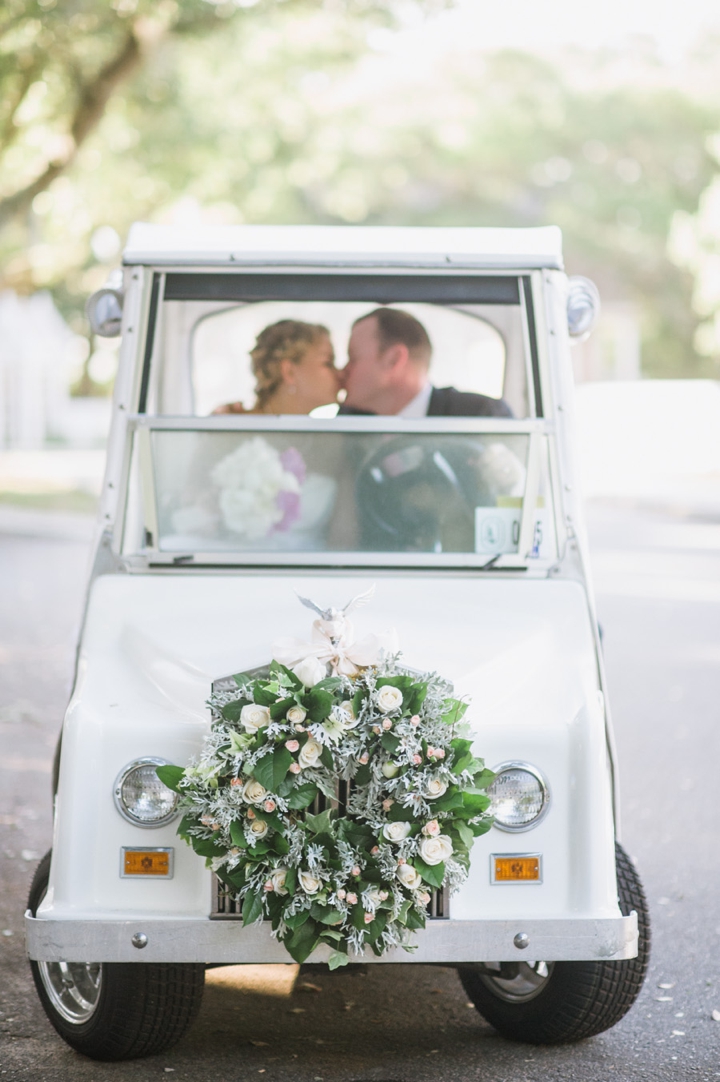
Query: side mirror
x,y
583,307
104,311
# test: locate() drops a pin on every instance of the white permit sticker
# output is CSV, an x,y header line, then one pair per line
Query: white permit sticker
x,y
497,531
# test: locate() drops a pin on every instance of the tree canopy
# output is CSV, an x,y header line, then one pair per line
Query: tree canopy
x,y
290,111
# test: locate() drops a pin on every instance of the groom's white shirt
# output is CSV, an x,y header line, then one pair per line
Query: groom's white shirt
x,y
418,406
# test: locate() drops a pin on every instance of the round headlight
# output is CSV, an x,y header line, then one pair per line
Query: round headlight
x,y
519,796
141,797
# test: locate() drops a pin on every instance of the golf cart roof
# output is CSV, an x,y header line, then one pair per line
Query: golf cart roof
x,y
344,246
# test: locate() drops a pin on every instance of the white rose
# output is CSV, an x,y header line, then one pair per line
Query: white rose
x,y
396,832
310,753
310,671
259,829
408,876
436,850
296,715
435,788
309,883
253,792
388,698
277,879
254,717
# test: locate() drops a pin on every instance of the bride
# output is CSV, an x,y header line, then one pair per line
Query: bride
x,y
294,368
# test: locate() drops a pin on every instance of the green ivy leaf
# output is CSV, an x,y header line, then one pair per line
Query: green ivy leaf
x,y
483,779
453,711
303,795
318,703
330,683
279,710
362,775
326,758
302,941
415,920
289,679
291,880
475,802
252,908
390,743
231,711
431,873
466,835
272,768
451,801
318,824
263,695
171,776
337,959
208,847
238,835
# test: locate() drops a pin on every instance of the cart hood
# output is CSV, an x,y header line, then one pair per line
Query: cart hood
x,y
513,647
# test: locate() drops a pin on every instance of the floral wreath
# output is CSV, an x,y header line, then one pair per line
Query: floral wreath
x,y
402,824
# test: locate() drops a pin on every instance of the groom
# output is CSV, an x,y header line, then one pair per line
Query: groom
x,y
387,372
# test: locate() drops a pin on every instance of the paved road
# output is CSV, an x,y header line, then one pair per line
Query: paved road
x,y
659,599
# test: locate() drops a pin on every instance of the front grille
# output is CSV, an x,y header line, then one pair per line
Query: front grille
x,y
224,906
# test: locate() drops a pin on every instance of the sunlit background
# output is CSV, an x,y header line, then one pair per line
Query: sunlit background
x,y
603,119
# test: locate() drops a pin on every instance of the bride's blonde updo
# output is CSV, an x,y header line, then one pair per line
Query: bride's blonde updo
x,y
286,340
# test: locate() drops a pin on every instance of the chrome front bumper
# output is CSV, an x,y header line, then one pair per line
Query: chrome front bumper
x,y
443,941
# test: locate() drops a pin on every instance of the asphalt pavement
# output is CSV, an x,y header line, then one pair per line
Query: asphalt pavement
x,y
658,585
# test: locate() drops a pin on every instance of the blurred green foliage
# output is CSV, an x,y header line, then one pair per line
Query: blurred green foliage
x,y
280,111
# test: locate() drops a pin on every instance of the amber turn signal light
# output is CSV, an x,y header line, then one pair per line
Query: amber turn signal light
x,y
516,868
155,862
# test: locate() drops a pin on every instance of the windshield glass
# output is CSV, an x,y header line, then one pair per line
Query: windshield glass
x,y
263,491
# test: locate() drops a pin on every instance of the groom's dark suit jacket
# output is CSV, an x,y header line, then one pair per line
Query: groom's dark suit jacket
x,y
449,402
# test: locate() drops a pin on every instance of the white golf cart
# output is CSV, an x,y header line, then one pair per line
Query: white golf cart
x,y
471,530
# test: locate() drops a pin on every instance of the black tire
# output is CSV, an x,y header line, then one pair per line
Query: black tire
x,y
565,1001
131,1009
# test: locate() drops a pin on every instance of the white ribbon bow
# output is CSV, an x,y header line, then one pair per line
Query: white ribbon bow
x,y
333,643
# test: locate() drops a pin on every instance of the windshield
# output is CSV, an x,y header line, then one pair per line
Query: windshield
x,y
305,493
411,345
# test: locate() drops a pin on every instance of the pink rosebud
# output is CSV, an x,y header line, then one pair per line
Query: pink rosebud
x,y
269,805
299,728
417,759
237,781
383,895
294,768
387,724
376,730
250,813
375,849
356,870
401,860
368,918
439,753
364,758
351,899
268,885
430,751
415,720
292,745
431,829
216,826
387,804
424,897
340,894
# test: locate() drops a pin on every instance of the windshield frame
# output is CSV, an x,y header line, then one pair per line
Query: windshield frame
x,y
141,426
